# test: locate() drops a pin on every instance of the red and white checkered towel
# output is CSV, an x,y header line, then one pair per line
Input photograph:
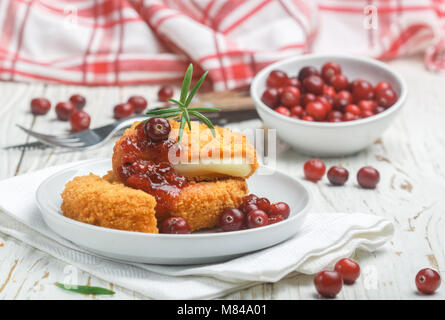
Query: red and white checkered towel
x,y
122,42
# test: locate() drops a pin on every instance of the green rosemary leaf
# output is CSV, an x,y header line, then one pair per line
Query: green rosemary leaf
x,y
186,83
84,289
179,103
204,109
161,111
181,129
205,120
195,89
187,118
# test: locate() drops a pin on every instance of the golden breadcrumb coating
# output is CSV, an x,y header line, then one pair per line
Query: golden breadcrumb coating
x,y
96,201
202,203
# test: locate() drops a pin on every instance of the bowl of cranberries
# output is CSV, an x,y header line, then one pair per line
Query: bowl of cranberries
x,y
328,105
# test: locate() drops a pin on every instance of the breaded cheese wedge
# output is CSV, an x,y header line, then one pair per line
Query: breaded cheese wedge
x,y
96,201
202,157
202,203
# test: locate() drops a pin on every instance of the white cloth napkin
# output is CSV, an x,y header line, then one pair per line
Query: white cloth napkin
x,y
324,238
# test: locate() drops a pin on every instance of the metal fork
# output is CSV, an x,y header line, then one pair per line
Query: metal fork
x,y
85,139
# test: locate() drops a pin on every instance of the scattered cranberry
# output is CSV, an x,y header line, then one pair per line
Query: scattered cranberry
x,y
427,281
80,121
40,106
338,175
290,96
139,103
78,101
175,225
64,110
349,269
314,169
329,70
279,209
275,218
165,93
123,110
328,283
339,82
271,97
316,110
363,90
368,177
263,204
283,110
257,218
307,71
386,98
314,84
297,111
276,79
157,129
232,220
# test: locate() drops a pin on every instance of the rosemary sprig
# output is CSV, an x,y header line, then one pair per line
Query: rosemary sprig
x,y
182,112
85,289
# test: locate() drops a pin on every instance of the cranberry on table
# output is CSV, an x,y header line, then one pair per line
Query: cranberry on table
x,y
339,82
276,79
316,110
329,70
368,177
353,108
275,218
307,71
363,90
283,110
290,96
349,269
80,121
427,281
157,129
314,169
338,175
328,283
256,219
386,98
64,110
139,103
263,204
175,225
314,84
232,220
40,106
279,209
123,110
165,93
296,111
78,101
271,97
342,99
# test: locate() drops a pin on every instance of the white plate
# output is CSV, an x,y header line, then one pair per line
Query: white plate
x,y
202,247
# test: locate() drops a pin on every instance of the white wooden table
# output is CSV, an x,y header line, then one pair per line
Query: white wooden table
x,y
410,157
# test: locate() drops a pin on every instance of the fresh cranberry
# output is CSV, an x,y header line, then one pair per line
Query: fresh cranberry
x,y
342,99
382,85
368,177
263,204
123,110
80,121
328,283
329,91
353,108
339,82
307,118
378,109
40,106
283,110
157,129
427,281
139,103
308,98
276,79
348,116
271,97
78,101
275,218
363,90
366,114
335,120
335,114
293,82
326,103
232,220
316,110
338,175
349,269
250,199
257,218
247,207
306,72
366,105
314,84
64,110
386,98
329,70
314,169
279,209
175,225
290,96
165,93
296,111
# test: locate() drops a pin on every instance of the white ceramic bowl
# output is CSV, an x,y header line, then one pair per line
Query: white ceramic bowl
x,y
325,139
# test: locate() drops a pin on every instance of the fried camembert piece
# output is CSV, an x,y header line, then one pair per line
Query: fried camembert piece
x,y
201,156
96,201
